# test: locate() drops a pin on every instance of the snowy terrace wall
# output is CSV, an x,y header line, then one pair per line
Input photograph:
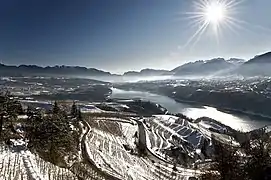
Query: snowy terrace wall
x,y
165,131
24,165
107,152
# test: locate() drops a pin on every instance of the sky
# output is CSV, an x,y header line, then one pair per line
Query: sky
x,y
122,35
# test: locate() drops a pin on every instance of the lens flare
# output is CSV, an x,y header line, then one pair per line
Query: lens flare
x,y
215,15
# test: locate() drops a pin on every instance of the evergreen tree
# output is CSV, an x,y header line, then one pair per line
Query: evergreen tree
x,y
79,115
9,111
1,123
74,110
29,112
227,161
56,109
239,163
2,112
258,164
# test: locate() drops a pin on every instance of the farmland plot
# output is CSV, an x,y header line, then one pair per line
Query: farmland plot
x,y
20,164
167,132
106,150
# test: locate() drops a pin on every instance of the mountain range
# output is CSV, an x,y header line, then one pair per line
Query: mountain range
x,y
203,68
24,70
260,65
197,68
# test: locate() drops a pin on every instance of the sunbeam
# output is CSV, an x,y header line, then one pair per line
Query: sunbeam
x,y
198,32
215,15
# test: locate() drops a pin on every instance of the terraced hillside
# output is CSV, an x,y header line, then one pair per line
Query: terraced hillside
x,y
111,146
176,140
20,164
105,145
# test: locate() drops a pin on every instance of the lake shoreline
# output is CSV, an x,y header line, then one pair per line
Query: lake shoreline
x,y
227,110
246,120
200,104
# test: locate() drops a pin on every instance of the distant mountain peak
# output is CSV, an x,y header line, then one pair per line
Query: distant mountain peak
x,y
146,72
216,59
263,58
260,65
236,61
202,67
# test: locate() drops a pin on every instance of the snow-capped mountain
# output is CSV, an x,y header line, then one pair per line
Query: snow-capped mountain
x,y
236,61
200,68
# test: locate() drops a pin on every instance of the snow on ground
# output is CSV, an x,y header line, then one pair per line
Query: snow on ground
x,y
129,132
19,163
88,108
210,124
22,116
168,118
107,152
84,130
115,119
165,131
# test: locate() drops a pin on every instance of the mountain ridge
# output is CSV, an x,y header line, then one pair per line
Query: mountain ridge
x,y
146,72
202,67
260,65
212,67
22,70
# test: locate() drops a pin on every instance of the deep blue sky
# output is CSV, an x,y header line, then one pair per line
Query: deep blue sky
x,y
120,35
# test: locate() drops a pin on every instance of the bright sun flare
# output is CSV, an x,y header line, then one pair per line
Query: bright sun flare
x,y
215,12
215,15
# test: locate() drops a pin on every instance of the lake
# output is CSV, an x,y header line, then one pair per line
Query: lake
x,y
237,121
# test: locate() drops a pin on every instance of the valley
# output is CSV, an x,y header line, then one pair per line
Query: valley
x,y
135,90
88,129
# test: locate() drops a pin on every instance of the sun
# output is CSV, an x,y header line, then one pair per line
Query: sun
x,y
214,15
215,12
216,19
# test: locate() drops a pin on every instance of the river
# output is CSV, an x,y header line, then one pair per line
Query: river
x,y
237,121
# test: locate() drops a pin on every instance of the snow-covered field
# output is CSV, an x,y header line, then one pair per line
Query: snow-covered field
x,y
108,153
20,164
166,131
